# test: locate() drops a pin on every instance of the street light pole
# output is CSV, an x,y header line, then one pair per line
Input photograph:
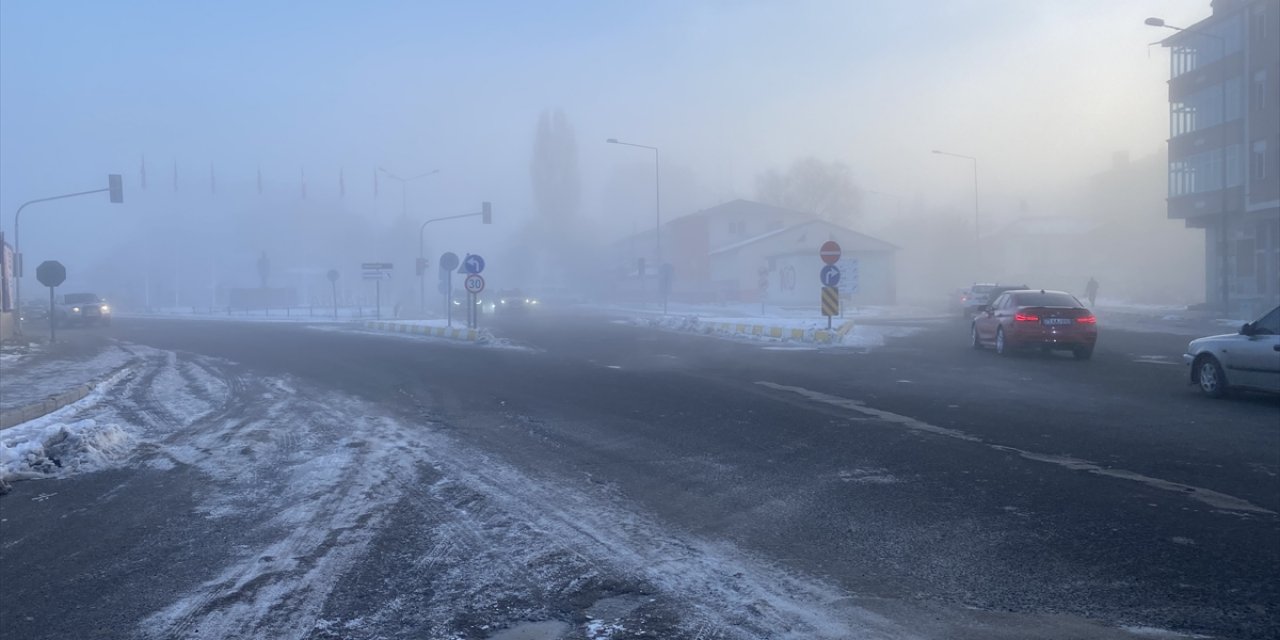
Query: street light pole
x,y
114,187
657,209
1223,264
404,187
977,232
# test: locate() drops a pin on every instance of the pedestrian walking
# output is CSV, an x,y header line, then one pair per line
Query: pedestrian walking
x,y
1091,290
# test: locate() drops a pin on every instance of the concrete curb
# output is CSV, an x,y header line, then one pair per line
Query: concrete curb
x,y
15,417
466,335
820,336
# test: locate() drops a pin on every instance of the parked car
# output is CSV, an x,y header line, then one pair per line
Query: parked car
x,y
81,309
978,296
1249,359
1050,320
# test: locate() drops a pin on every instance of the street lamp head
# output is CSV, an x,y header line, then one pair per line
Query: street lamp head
x,y
1154,22
612,140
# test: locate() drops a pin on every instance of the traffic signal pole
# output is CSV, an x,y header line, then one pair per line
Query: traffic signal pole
x,y
114,187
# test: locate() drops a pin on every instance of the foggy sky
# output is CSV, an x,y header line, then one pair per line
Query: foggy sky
x,y
1041,92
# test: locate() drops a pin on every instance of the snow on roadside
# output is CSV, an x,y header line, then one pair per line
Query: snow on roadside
x,y
60,444
859,335
53,450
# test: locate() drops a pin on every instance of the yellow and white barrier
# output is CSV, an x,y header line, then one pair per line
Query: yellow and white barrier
x,y
454,333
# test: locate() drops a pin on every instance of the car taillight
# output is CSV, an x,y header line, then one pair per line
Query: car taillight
x,y
1026,317
1089,319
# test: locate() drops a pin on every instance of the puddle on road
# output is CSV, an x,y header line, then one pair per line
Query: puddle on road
x,y
545,630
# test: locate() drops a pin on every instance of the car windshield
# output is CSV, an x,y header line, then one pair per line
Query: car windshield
x,y
1045,299
639,319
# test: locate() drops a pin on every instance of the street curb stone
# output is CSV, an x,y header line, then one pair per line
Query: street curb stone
x,y
14,417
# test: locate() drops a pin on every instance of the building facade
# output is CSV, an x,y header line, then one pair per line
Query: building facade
x,y
745,251
1224,149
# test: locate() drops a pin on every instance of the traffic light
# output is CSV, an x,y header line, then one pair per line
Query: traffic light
x,y
421,266
486,213
115,186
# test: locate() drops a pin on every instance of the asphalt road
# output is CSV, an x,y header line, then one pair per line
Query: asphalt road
x,y
596,473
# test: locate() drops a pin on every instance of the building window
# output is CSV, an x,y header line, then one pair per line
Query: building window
x,y
1203,109
1258,162
1260,90
738,228
1194,52
1258,24
1202,172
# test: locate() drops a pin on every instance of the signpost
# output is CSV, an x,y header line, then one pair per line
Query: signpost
x,y
473,263
377,271
830,278
666,274
448,262
333,284
763,272
830,303
51,273
474,284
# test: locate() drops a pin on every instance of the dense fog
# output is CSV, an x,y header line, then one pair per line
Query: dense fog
x,y
263,145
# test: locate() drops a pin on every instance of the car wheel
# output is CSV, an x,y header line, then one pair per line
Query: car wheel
x,y
973,330
1083,353
1001,347
1210,376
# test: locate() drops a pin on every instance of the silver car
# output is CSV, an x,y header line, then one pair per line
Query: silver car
x,y
1249,359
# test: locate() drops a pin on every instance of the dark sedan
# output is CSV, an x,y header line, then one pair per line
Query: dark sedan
x,y
1049,320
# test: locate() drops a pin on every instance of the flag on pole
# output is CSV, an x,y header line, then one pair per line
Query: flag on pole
x,y
143,172
259,180
342,183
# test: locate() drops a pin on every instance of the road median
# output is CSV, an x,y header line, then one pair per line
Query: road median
x,y
422,329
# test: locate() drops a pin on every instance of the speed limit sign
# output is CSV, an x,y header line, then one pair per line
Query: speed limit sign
x,y
474,283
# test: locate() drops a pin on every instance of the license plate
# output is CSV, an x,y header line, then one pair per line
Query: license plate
x,y
1057,320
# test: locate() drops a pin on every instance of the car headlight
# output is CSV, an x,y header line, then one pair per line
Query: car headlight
x,y
502,301
106,309
75,309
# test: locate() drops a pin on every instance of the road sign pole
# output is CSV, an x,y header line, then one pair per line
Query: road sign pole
x,y
377,299
53,320
448,298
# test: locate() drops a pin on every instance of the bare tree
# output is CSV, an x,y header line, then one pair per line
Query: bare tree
x,y
825,189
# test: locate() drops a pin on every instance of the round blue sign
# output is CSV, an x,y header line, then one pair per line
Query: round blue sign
x,y
830,276
473,264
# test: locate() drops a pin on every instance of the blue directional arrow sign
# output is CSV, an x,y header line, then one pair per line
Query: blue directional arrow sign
x,y
473,264
830,276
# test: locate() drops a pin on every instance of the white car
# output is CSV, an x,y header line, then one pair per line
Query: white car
x,y
1249,359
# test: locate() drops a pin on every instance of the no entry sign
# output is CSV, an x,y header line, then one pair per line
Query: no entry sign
x,y
829,252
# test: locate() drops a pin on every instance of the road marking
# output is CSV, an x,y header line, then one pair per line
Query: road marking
x,y
44,496
1155,360
1207,496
